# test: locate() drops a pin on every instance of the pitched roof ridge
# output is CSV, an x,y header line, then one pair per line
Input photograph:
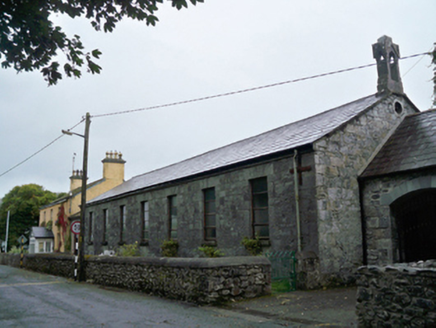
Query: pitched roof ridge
x,y
254,136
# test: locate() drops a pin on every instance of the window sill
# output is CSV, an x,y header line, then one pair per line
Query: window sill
x,y
209,243
265,242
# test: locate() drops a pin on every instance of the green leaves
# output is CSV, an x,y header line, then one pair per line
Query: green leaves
x,y
183,3
24,203
29,40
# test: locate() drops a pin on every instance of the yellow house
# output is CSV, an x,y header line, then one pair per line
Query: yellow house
x,y
58,215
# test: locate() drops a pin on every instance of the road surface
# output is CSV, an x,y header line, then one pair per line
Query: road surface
x,y
29,299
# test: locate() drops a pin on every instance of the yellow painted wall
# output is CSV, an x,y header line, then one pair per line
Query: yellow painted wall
x,y
113,175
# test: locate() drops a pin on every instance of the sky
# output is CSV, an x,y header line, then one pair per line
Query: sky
x,y
216,47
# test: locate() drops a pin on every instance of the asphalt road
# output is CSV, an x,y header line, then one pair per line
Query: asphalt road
x,y
29,299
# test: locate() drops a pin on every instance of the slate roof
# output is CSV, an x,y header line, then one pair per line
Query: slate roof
x,y
412,146
41,232
287,137
72,193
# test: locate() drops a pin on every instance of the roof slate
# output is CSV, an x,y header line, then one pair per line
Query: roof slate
x,y
41,232
287,137
412,146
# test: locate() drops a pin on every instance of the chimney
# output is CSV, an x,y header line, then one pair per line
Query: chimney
x,y
387,54
76,179
113,166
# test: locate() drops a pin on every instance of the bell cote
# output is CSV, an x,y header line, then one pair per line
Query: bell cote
x,y
387,55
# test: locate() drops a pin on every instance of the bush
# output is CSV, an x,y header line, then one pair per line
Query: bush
x,y
49,225
252,245
209,251
169,248
129,250
17,250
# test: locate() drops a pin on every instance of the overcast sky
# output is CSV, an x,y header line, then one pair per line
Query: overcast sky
x,y
215,47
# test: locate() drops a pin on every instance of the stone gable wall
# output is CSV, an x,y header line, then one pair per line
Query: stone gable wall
x,y
339,158
403,295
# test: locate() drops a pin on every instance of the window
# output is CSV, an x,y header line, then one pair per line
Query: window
x,y
90,234
259,205
105,225
48,247
209,214
172,217
145,221
51,214
122,222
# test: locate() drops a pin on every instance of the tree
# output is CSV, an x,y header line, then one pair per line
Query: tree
x,y
24,203
30,41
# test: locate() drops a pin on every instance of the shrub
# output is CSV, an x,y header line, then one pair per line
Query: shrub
x,y
17,250
209,251
129,250
49,225
252,245
170,248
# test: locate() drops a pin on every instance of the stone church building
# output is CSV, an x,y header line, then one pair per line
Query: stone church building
x,y
327,187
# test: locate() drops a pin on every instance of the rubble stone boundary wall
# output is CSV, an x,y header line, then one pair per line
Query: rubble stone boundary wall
x,y
196,280
400,295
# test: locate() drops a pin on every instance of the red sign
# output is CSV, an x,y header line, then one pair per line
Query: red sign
x,y
75,227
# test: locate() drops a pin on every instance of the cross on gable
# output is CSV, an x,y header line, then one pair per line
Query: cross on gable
x,y
300,170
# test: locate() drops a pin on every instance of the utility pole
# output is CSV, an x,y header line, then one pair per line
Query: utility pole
x,y
81,269
7,232
81,255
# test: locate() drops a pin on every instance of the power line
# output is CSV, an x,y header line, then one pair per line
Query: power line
x,y
36,153
248,90
210,97
417,62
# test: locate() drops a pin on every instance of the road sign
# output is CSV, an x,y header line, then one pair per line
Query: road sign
x,y
22,239
75,227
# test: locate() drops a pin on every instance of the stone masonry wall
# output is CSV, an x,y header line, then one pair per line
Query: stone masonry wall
x,y
233,212
397,296
56,264
200,280
339,157
380,226
12,260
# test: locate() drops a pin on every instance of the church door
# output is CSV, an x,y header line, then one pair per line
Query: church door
x,y
415,215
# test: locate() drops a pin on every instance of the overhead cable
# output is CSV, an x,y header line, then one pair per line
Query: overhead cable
x,y
210,97
247,90
36,153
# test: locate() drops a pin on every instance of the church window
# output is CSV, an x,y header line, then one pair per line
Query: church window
x,y
105,225
145,221
398,108
122,222
90,232
259,207
172,217
209,214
